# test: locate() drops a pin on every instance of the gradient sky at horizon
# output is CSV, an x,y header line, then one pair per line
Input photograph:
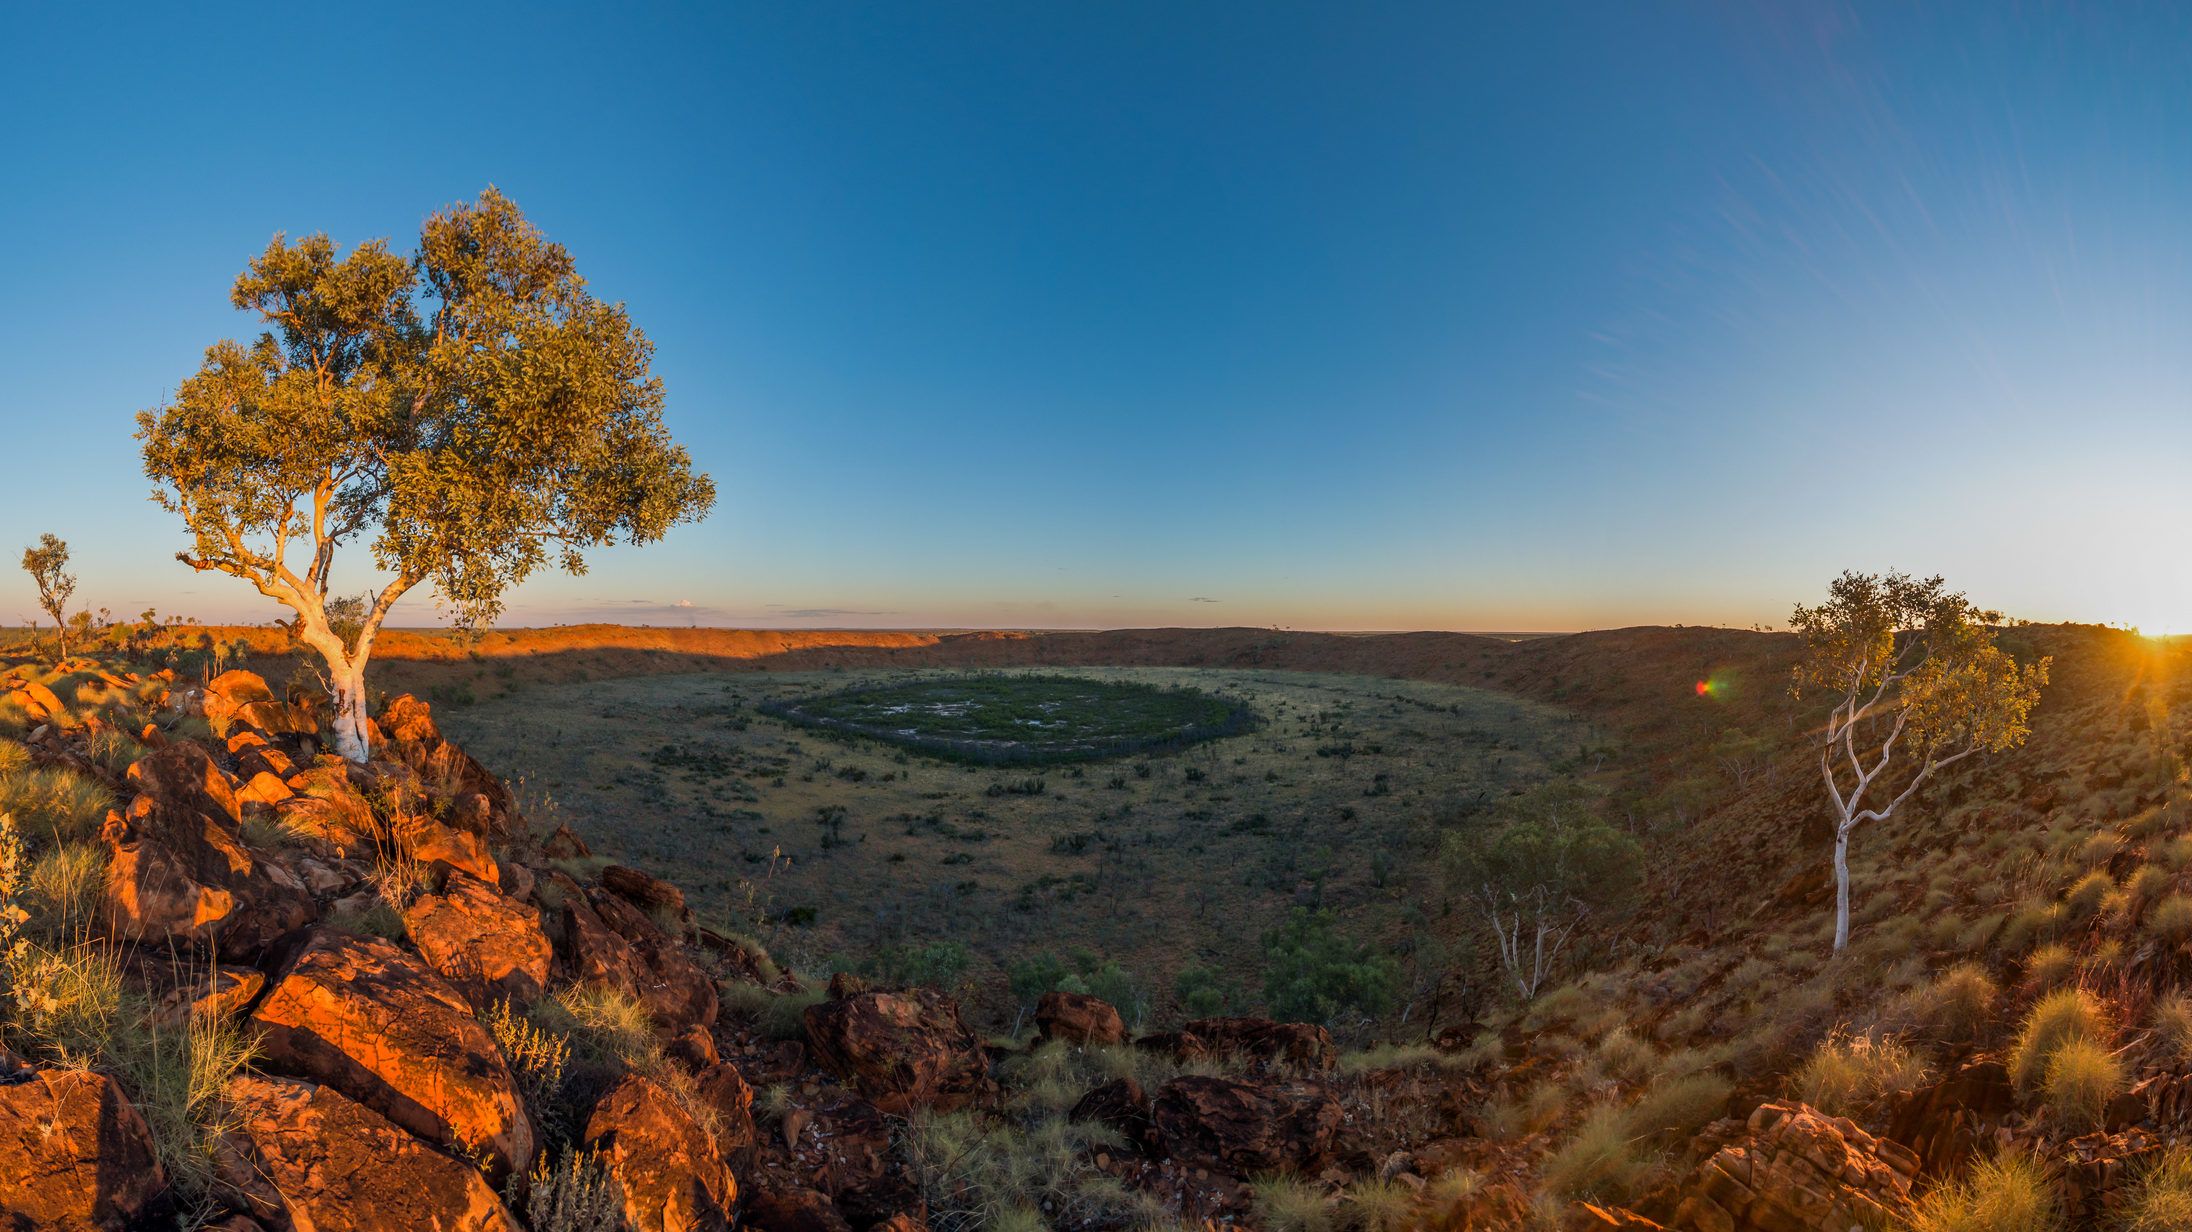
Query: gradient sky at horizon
x,y
1543,316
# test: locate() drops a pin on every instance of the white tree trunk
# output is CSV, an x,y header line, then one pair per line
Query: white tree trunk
x,y
348,682
1841,887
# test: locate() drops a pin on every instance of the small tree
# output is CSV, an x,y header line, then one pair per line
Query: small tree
x,y
474,403
1536,878
1313,973
47,565
1917,685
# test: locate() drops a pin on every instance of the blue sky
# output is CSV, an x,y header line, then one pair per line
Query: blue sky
x,y
1340,316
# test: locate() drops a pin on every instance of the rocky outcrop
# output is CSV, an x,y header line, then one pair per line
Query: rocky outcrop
x,y
902,1050
78,1156
1124,1106
222,992
673,1176
1792,1168
304,1156
609,941
375,1023
1265,1044
443,847
1244,1128
469,797
664,903
1078,1018
794,1210
488,946
843,1147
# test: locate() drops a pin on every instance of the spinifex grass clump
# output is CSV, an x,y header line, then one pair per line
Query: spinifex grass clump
x,y
1002,719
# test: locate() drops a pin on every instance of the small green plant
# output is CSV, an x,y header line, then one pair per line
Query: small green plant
x,y
2171,919
2081,1077
2161,1199
1290,1204
778,1015
537,1058
1601,1159
2007,1193
576,1193
55,803
2050,966
2172,1021
2057,1018
1313,974
1960,1003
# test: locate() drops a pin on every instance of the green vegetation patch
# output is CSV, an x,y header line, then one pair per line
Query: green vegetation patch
x,y
993,719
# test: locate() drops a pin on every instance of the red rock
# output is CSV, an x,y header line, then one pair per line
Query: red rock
x,y
673,1177
78,1157
727,1094
563,843
846,1152
1243,1128
658,898
1795,1169
1078,1018
225,991
1122,1105
490,947
903,1050
438,846
1268,1044
609,941
360,1015
306,1157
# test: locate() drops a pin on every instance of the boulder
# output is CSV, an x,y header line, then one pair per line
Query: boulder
x,y
488,946
1122,1105
673,1177
37,701
364,1017
470,798
1946,1122
726,1093
79,1157
1078,1018
658,898
438,846
563,843
1244,1128
609,941
179,869
329,807
903,1050
224,992
304,1156
1266,1044
1795,1169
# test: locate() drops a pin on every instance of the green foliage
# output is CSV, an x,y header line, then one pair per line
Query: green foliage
x,y
2081,1077
1534,879
2007,1193
976,1174
778,1015
1202,992
537,1058
1601,1159
2161,1198
1960,1002
475,403
1914,676
63,890
1852,1075
2172,1021
936,965
2171,919
47,564
2057,1018
1314,974
1289,1204
55,803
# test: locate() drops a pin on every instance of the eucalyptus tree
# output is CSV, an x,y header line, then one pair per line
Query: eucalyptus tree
x,y
1917,685
470,411
47,564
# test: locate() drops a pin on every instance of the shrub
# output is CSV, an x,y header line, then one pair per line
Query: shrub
x,y
1601,1159
2161,1199
2085,898
2050,965
1313,974
2008,1193
2173,1026
1960,1003
536,1057
1678,1104
1285,1204
63,890
2082,1076
575,1194
2057,1018
175,1077
1378,1206
601,1022
1850,1075
778,1015
2171,919
56,803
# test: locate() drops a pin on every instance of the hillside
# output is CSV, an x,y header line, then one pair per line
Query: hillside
x,y
399,964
